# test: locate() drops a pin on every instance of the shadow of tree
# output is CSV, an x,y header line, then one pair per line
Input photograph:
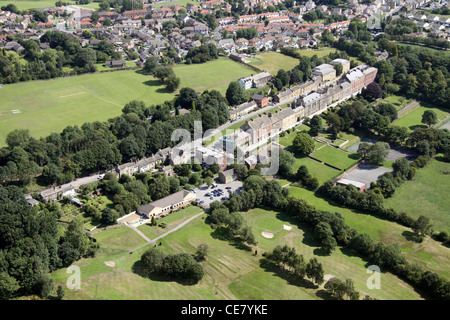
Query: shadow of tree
x,y
325,295
139,269
411,236
286,275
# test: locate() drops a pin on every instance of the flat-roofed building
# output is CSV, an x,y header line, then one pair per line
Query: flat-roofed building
x,y
325,71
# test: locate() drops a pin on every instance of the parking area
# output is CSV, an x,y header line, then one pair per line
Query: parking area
x,y
206,194
366,173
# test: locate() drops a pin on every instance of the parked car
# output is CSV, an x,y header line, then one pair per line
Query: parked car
x,y
202,202
212,198
208,194
228,188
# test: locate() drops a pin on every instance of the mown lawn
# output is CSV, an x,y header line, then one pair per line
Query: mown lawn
x,y
335,157
99,96
172,220
33,4
318,170
430,254
230,271
413,119
429,192
273,61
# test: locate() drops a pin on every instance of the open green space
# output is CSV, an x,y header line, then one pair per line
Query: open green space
x,y
336,157
46,106
429,254
230,272
318,170
273,61
182,3
171,220
34,4
413,119
429,190
399,102
423,48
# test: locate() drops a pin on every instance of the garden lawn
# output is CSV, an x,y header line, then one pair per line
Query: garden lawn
x,y
45,106
430,191
413,119
336,157
396,101
317,170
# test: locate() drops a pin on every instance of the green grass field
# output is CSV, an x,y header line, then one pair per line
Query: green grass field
x,y
230,273
33,4
335,157
273,61
46,106
182,3
413,119
423,48
430,254
428,192
396,101
172,220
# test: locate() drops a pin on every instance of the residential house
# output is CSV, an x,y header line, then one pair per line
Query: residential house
x,y
261,101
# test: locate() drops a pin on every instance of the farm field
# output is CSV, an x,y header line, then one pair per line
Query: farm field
x,y
99,96
413,119
427,190
230,272
33,4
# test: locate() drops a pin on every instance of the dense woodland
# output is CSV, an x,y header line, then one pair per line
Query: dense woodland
x,y
33,244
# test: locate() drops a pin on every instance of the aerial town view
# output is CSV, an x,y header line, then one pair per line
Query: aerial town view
x,y
224,150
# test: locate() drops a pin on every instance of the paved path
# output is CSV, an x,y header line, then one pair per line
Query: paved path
x,y
164,234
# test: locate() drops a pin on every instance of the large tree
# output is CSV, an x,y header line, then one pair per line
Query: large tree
x,y
235,93
303,143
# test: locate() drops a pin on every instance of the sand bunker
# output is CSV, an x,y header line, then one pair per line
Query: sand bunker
x,y
328,277
111,264
267,235
285,227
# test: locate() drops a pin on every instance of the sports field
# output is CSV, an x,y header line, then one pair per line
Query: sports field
x,y
430,254
182,3
273,61
46,106
413,119
230,272
33,4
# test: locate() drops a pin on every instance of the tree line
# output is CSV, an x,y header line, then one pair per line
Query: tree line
x,y
331,230
32,244
140,131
